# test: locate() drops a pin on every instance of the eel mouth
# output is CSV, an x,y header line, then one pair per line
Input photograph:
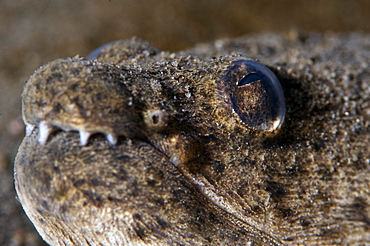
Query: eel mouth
x,y
153,119
46,129
178,148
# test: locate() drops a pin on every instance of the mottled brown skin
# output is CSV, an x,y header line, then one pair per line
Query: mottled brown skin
x,y
195,173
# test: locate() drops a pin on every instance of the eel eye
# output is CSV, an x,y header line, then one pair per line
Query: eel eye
x,y
256,95
95,53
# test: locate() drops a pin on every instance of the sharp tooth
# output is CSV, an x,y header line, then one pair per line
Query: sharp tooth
x,y
29,129
112,139
84,136
175,161
45,129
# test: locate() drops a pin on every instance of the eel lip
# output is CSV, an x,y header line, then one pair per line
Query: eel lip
x,y
45,129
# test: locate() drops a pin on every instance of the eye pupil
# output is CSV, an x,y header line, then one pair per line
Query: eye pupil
x,y
250,78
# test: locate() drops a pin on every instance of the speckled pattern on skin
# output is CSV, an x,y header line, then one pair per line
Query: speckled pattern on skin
x,y
201,176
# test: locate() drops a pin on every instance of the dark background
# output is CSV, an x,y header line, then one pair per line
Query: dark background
x,y
35,32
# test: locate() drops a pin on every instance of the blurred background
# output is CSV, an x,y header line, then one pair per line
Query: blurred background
x,y
35,32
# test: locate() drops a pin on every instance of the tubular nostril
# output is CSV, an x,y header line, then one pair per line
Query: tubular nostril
x,y
155,119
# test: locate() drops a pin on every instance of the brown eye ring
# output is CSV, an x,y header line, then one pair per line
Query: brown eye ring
x,y
255,94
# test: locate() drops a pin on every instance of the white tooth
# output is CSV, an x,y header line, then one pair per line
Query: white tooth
x,y
29,129
84,136
175,160
112,139
45,129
